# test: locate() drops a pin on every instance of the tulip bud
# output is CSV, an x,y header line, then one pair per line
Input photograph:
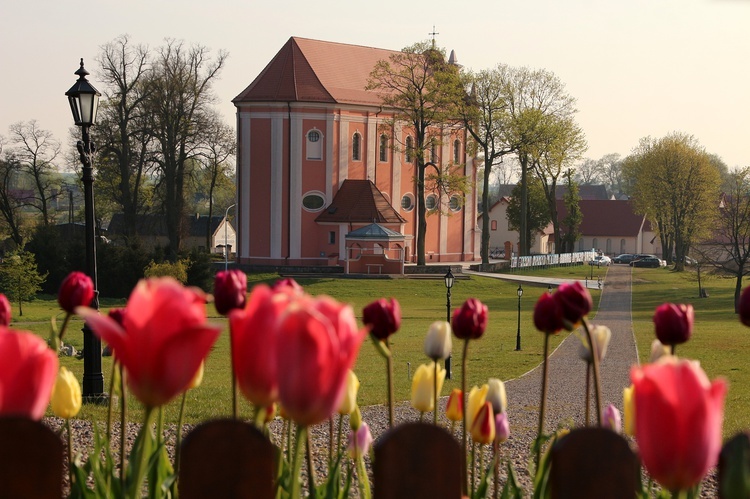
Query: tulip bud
x,y
198,378
548,317
438,343
470,321
628,404
349,402
600,335
658,350
355,419
483,427
575,302
66,395
5,311
117,315
674,323
477,398
744,306
454,409
359,442
289,284
230,290
76,290
382,317
423,387
502,427
496,395
611,418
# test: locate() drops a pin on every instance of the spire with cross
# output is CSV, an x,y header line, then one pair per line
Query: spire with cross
x,y
433,35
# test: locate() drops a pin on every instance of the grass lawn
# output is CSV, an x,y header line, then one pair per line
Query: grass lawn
x,y
719,340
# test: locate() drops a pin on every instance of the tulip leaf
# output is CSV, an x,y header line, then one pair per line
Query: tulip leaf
x,y
511,489
381,347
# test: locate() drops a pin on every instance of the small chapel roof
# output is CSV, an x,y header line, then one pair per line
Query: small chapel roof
x,y
375,231
306,70
359,201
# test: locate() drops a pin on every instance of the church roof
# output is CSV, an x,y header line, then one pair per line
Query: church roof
x,y
605,217
375,231
306,70
359,201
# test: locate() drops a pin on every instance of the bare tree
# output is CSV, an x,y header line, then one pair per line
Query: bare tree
x,y
36,151
587,172
10,204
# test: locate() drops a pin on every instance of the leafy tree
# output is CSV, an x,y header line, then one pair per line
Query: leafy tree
x,y
537,209
728,248
20,279
178,102
36,151
423,91
571,224
676,185
178,269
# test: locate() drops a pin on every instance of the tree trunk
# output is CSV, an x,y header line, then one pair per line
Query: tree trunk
x,y
485,250
738,289
523,235
421,212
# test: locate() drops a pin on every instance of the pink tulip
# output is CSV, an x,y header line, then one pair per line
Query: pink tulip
x,y
470,321
254,335
575,302
76,290
5,310
359,442
230,290
611,418
318,344
28,369
678,419
548,316
502,427
162,341
674,323
383,317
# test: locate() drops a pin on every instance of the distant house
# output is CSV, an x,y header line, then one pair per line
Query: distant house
x,y
504,241
152,231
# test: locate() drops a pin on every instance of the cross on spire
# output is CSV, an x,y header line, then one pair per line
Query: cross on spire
x,y
433,35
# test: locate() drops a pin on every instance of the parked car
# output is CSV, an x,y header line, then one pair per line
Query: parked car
x,y
647,261
601,261
624,258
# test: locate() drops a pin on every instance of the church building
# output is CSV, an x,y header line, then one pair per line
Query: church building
x,y
319,157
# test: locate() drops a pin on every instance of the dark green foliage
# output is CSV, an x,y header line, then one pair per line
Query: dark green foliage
x,y
120,268
200,272
57,254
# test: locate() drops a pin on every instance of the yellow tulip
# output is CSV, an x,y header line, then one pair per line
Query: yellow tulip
x,y
628,402
349,402
483,428
198,378
423,387
496,395
477,398
66,395
454,409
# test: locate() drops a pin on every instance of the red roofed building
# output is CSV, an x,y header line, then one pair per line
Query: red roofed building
x,y
316,160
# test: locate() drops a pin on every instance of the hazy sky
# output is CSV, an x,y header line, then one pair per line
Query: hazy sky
x,y
637,68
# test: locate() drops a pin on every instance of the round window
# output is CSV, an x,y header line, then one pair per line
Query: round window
x,y
430,202
455,203
313,202
407,202
313,136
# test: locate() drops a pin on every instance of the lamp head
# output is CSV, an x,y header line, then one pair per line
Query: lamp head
x,y
83,99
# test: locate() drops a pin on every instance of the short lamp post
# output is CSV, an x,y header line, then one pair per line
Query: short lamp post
x,y
518,333
449,279
549,288
84,101
226,248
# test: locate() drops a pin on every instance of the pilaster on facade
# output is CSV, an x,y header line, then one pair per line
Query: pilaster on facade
x,y
396,170
343,151
329,156
295,188
277,184
372,146
243,192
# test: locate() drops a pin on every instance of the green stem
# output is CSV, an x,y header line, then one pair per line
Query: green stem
x,y
495,453
389,363
588,391
330,439
473,466
310,466
435,384
235,410
70,454
110,408
178,438
595,365
123,426
295,492
463,395
64,326
540,430
341,429
142,457
364,480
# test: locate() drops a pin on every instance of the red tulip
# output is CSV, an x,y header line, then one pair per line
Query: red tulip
x,y
230,290
383,317
678,418
318,344
470,321
5,310
674,323
254,343
163,340
117,315
548,316
744,306
28,369
289,283
76,290
483,428
575,302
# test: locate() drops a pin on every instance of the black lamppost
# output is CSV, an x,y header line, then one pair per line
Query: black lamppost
x,y
549,288
84,101
449,279
518,334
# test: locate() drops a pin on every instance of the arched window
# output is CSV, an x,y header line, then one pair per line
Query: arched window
x,y
430,202
409,153
457,151
493,225
580,244
383,148
314,144
609,246
594,244
433,152
356,147
455,203
622,246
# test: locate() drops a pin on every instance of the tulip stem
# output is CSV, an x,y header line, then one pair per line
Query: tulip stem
x,y
64,326
178,438
540,430
463,395
495,453
123,425
364,480
389,363
595,365
473,466
295,492
435,384
142,453
110,407
70,454
310,466
235,411
588,391
330,439
341,424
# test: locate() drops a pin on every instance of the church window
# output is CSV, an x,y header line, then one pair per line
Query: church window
x,y
430,202
433,152
314,144
409,156
383,148
356,147
457,151
493,224
455,203
313,201
407,202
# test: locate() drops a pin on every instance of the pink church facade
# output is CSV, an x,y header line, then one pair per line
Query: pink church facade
x,y
318,158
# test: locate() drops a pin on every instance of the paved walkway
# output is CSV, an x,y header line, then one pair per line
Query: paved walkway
x,y
588,283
